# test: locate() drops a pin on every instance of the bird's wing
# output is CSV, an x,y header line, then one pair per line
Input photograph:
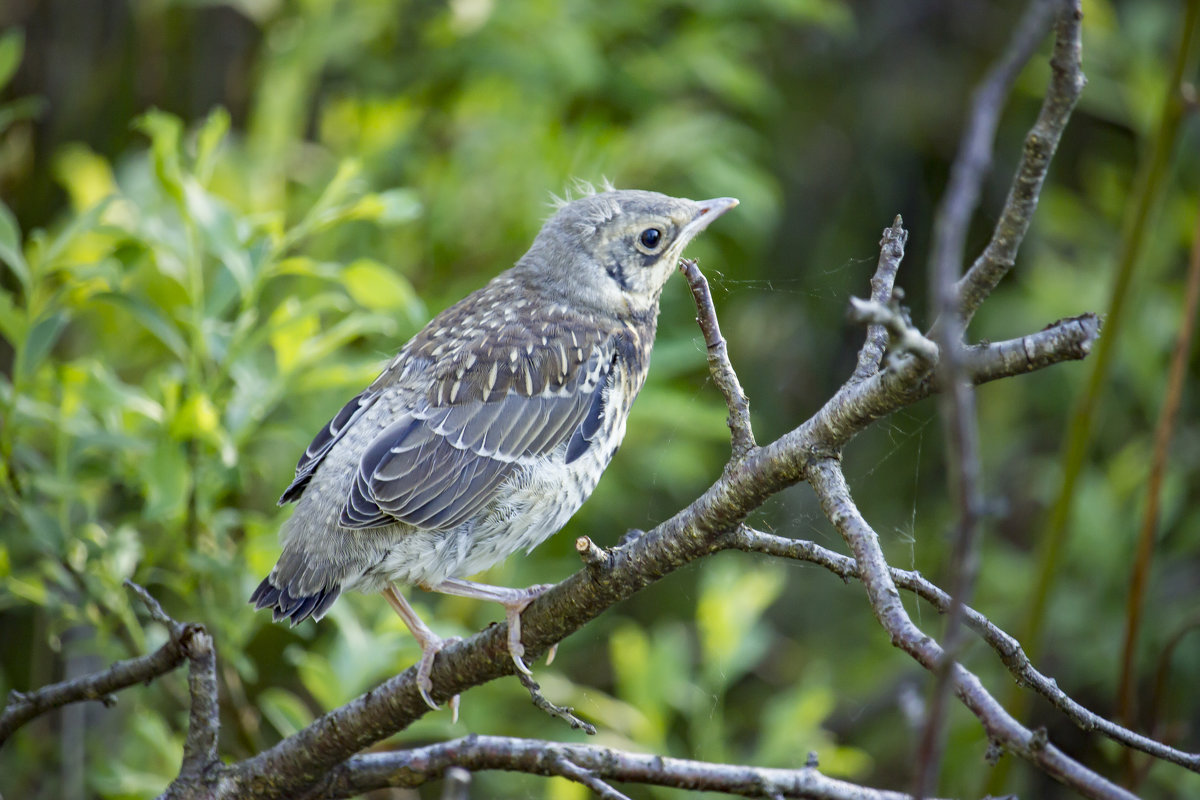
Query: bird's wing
x,y
489,411
324,441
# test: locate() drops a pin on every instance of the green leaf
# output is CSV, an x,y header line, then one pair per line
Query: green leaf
x,y
41,339
208,141
80,225
87,177
285,711
732,600
164,131
12,48
10,247
392,207
335,204
12,319
165,477
151,319
378,288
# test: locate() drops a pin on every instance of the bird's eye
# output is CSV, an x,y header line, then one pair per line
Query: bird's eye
x,y
650,238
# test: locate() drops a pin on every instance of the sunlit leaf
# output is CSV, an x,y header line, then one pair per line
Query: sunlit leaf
x,y
290,329
374,286
732,599
165,131
60,246
87,177
197,419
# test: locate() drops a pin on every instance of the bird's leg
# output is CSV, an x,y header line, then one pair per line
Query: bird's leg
x,y
514,601
430,644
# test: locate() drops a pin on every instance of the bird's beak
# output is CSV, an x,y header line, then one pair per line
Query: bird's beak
x,y
709,210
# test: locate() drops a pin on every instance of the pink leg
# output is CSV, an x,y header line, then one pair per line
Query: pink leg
x,y
430,644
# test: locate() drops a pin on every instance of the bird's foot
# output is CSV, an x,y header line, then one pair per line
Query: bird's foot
x,y
518,602
431,645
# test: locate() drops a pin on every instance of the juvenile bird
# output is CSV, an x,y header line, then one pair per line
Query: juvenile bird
x,y
490,428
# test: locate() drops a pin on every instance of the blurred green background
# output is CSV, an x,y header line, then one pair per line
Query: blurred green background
x,y
219,219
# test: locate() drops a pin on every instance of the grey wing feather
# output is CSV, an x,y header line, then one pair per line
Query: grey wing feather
x,y
440,465
324,441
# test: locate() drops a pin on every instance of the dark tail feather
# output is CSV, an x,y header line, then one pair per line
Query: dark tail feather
x,y
297,609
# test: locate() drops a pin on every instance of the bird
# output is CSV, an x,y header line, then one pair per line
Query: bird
x,y
491,426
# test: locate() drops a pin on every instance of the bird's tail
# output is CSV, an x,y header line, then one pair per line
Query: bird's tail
x,y
285,605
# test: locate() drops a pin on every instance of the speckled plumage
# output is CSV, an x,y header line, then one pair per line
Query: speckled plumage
x,y
493,424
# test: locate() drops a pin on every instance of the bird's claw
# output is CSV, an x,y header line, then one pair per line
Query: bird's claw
x,y
429,651
513,614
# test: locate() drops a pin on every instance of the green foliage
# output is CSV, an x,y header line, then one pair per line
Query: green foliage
x,y
187,292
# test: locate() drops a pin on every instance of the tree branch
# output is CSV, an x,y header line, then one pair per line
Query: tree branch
x,y
891,253
185,641
1006,646
825,476
409,768
957,401
718,362
1066,84
302,760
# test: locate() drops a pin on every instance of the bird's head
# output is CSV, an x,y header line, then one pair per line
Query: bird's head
x,y
613,251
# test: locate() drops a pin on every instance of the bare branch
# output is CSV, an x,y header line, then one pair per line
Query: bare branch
x,y
1066,84
1068,339
25,706
1007,647
718,362
568,769
958,399
891,253
825,476
408,768
200,747
898,328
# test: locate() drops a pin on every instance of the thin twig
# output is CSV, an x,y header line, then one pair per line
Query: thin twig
x,y
718,362
572,771
891,253
409,768
565,713
456,784
1066,85
825,476
1006,646
1158,694
152,605
889,317
595,558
